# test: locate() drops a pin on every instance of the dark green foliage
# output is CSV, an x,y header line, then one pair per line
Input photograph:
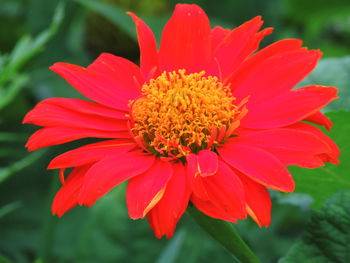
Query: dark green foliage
x,y
327,235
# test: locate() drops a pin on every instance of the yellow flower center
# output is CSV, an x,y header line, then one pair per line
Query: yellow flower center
x,y
181,113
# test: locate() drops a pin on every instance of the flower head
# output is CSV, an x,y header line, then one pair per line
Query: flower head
x,y
206,119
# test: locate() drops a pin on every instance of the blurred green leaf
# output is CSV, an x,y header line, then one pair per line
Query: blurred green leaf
x,y
333,72
19,53
119,18
322,13
12,137
226,234
287,224
116,238
113,13
303,201
22,229
8,94
26,48
172,249
3,59
110,231
300,9
6,209
13,152
10,8
322,182
6,172
3,259
327,235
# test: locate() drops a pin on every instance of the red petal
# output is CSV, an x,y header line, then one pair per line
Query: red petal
x,y
185,40
74,113
320,119
66,197
292,157
91,153
85,107
261,166
167,212
148,48
225,195
109,81
258,201
204,164
273,71
58,135
281,47
197,186
286,139
145,190
289,108
120,71
212,209
290,146
333,154
217,35
236,46
109,172
277,48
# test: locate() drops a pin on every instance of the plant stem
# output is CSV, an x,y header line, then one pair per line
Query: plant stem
x,y
225,234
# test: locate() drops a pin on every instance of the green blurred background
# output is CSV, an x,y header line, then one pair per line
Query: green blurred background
x,y
36,33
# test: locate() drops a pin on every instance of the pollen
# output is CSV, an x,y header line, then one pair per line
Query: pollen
x,y
180,113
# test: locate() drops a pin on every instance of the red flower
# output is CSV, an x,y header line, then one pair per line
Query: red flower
x,y
204,119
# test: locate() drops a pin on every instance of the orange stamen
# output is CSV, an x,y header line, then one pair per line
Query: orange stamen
x,y
177,113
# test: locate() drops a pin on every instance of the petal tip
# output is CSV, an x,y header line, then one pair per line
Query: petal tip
x,y
133,16
52,165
